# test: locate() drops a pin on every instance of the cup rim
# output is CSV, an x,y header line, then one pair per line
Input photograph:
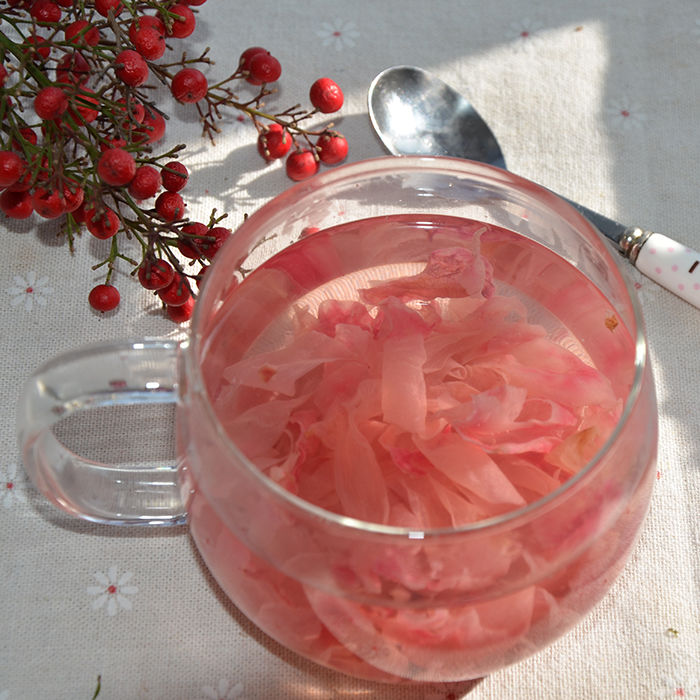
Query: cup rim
x,y
418,163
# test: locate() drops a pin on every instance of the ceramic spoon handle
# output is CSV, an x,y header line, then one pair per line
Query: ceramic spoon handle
x,y
670,264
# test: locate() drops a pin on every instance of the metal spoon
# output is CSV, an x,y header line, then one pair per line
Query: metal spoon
x,y
416,113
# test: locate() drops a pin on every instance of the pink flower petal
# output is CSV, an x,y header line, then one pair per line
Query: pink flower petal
x,y
404,401
359,481
450,272
279,370
469,466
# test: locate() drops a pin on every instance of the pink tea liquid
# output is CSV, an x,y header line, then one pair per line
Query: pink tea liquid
x,y
426,373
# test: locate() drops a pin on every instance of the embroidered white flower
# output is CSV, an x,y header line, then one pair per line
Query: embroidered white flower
x,y
524,33
223,691
625,114
29,290
338,34
679,686
112,591
12,481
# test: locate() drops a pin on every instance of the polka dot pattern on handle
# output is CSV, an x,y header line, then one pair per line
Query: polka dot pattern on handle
x,y
674,266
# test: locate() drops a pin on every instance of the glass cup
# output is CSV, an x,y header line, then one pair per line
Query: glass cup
x,y
353,580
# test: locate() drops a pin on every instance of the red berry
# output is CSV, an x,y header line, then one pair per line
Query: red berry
x,y
202,275
73,69
301,164
177,292
17,205
85,105
65,3
134,110
81,32
3,74
247,56
45,11
26,135
181,313
183,21
112,143
156,274
274,142
104,6
50,103
37,44
152,128
73,196
32,174
11,168
189,244
48,204
145,183
104,297
146,22
264,68
101,222
332,148
170,206
210,248
189,85
326,96
195,2
174,176
137,111
149,42
26,180
131,68
79,214
116,167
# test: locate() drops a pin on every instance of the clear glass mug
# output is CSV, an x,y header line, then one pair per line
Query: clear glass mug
x,y
396,600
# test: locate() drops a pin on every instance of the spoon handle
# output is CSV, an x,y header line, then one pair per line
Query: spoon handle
x,y
672,265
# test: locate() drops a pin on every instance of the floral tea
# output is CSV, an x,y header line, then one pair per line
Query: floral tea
x,y
426,390
429,373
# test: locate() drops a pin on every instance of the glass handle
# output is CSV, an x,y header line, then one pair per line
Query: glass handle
x,y
107,375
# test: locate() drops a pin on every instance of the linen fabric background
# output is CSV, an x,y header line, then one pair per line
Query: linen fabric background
x,y
598,101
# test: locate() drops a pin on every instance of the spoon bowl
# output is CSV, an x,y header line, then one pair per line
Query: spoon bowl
x,y
415,113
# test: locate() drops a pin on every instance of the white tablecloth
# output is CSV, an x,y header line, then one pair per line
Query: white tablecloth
x,y
597,100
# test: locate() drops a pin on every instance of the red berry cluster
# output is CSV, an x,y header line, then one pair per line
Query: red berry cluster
x,y
276,139
81,147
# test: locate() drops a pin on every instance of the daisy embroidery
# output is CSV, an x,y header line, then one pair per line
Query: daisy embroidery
x,y
338,34
112,590
11,483
29,290
223,691
625,115
524,33
679,687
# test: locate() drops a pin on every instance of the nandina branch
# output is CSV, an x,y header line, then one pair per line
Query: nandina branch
x,y
83,149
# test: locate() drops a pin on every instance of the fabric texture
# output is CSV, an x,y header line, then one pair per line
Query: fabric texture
x,y
598,101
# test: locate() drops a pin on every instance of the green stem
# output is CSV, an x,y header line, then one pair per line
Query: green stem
x,y
98,688
9,45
